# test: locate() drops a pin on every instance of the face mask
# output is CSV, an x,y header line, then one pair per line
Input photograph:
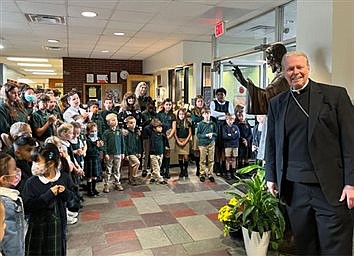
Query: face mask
x,y
17,180
38,169
93,136
31,98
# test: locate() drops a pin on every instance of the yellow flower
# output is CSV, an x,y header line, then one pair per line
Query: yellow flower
x,y
233,201
225,214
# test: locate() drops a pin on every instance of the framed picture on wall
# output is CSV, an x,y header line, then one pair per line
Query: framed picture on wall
x,y
113,77
102,79
90,78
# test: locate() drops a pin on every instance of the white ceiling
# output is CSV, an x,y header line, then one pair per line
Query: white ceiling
x,y
150,26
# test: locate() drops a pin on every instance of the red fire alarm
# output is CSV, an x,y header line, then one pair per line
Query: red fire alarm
x,y
219,29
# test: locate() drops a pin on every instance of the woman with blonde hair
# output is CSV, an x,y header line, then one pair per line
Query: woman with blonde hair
x,y
141,93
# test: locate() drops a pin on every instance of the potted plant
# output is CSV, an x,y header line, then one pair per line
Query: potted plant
x,y
256,210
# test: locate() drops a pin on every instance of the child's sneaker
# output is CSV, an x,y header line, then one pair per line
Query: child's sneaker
x,y
71,220
211,179
118,187
202,178
152,180
162,182
105,188
144,173
71,214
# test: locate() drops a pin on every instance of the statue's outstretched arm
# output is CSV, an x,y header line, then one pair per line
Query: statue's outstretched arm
x,y
238,75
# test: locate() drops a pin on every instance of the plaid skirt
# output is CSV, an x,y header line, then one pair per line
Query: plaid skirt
x,y
93,167
45,235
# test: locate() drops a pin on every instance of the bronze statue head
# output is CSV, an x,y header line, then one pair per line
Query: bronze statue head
x,y
274,55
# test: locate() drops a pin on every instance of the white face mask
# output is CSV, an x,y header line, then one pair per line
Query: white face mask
x,y
38,169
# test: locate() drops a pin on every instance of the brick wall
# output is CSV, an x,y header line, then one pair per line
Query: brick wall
x,y
75,70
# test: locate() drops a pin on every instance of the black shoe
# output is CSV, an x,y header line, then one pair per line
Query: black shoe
x,y
162,182
197,173
211,179
144,173
228,175
152,180
202,178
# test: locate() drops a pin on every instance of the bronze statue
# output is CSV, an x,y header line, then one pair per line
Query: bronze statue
x,y
258,98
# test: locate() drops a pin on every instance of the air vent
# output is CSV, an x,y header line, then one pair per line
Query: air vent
x,y
45,19
53,48
261,27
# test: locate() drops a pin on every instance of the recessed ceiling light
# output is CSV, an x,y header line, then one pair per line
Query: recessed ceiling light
x,y
104,51
43,73
118,33
53,41
1,46
39,70
89,14
34,65
27,59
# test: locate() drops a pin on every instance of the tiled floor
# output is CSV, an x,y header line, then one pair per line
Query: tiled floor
x,y
152,220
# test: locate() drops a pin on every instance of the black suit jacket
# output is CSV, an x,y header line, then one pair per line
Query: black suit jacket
x,y
330,139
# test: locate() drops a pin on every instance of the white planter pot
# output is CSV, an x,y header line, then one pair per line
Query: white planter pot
x,y
256,246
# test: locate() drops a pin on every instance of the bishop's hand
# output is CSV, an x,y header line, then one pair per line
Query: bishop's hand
x,y
238,75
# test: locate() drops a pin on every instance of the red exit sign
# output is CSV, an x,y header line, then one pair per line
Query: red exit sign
x,y
219,29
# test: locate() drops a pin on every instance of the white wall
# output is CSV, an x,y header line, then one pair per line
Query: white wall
x,y
343,45
328,40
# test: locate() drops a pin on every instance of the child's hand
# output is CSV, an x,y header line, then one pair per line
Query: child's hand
x,y
125,132
138,155
106,157
57,189
99,143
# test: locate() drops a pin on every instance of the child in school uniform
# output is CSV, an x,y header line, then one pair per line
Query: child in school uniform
x,y
168,120
230,137
133,150
207,134
246,137
92,158
158,145
183,135
14,239
113,151
44,198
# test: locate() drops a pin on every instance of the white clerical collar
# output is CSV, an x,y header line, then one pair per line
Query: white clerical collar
x,y
302,88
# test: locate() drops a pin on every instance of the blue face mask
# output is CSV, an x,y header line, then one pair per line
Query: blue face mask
x,y
31,98
93,136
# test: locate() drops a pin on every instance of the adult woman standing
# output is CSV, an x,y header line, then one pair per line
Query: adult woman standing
x,y
141,93
11,110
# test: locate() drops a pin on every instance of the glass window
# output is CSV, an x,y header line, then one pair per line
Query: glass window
x,y
289,21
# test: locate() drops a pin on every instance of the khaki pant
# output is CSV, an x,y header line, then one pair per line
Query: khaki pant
x,y
112,169
156,161
204,151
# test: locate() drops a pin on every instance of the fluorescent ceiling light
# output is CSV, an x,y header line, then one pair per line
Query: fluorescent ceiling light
x,y
39,70
43,73
1,46
89,14
118,33
104,51
27,59
39,65
53,41
25,81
